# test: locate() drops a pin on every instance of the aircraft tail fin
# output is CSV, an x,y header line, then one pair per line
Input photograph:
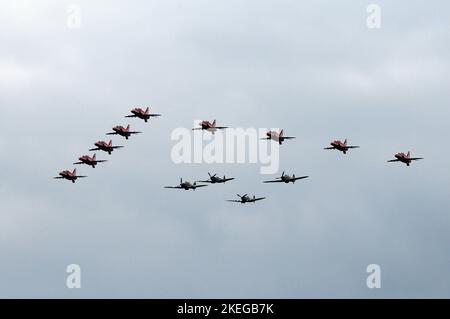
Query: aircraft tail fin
x,y
345,142
74,171
214,123
281,132
409,154
128,127
147,109
110,143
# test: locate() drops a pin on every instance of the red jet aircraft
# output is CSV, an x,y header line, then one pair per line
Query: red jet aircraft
x,y
340,146
278,137
71,176
122,131
208,126
91,161
405,158
106,147
140,113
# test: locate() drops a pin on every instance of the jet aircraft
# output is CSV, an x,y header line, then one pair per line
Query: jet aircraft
x,y
122,131
278,137
140,113
106,147
71,176
405,158
88,160
340,146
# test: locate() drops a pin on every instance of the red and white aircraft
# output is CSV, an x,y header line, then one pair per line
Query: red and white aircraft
x,y
340,146
140,113
122,131
278,137
106,147
91,161
208,126
71,176
405,158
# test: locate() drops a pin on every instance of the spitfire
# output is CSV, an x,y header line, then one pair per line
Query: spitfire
x,y
405,158
246,199
214,179
286,179
143,115
71,176
88,160
277,137
340,146
186,185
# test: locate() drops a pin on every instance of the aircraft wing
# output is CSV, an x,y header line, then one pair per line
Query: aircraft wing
x,y
112,133
287,137
197,129
154,115
228,179
197,186
394,160
204,181
234,201
329,148
94,149
220,127
275,181
58,177
114,147
257,199
173,187
297,178
131,115
100,161
134,132
78,163
415,158
81,176
352,146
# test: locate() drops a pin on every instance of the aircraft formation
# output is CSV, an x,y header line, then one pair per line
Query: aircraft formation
x,y
107,147
212,127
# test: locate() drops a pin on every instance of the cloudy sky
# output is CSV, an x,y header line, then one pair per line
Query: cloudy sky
x,y
313,68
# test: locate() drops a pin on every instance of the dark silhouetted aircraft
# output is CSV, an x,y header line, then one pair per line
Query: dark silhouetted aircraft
x,y
214,179
278,137
210,127
91,161
71,176
286,179
405,158
340,146
106,147
186,185
140,113
246,199
122,131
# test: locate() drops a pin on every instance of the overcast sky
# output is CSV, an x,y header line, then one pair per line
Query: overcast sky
x,y
312,68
